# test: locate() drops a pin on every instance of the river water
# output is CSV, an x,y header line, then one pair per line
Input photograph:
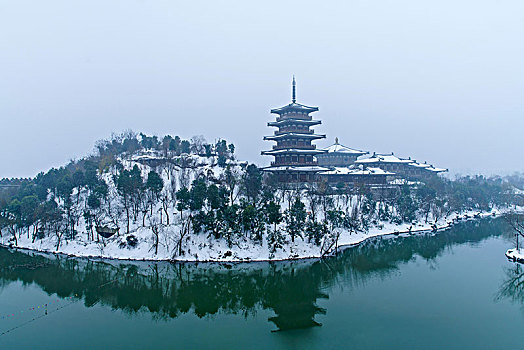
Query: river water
x,y
453,290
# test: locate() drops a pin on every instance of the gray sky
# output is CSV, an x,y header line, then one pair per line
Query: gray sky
x,y
441,81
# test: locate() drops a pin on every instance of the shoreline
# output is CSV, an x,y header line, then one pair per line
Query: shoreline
x,y
468,216
515,255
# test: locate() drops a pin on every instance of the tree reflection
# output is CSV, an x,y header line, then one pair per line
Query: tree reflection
x,y
513,286
290,289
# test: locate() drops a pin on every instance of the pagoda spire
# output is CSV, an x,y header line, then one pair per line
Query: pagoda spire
x,y
294,95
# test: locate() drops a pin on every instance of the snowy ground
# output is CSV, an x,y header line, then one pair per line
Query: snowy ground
x,y
515,254
201,248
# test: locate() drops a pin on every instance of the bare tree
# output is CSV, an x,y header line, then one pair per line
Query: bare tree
x,y
231,178
184,231
197,144
516,221
155,230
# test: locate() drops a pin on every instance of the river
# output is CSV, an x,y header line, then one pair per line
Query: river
x,y
452,290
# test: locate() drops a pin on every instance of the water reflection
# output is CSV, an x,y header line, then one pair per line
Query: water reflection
x,y
512,287
290,289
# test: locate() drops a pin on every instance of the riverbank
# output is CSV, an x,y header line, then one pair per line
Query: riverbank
x,y
147,301
515,254
198,248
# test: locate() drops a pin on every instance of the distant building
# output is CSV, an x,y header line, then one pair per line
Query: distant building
x,y
338,155
294,152
297,160
403,167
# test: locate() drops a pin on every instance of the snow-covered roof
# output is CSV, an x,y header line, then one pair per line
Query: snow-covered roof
x,y
294,107
314,168
420,165
436,170
384,158
338,148
428,167
294,121
294,134
293,150
391,158
356,171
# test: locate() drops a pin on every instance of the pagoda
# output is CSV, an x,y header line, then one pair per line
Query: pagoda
x,y
294,153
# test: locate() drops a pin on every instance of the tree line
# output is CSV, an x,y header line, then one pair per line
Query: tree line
x,y
237,202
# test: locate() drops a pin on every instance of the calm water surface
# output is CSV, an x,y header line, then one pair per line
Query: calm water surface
x,y
454,290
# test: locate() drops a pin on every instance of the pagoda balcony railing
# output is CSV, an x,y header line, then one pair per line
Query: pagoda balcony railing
x,y
294,116
298,131
293,163
295,146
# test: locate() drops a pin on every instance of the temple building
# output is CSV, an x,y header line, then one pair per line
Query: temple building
x,y
338,155
297,160
294,152
402,167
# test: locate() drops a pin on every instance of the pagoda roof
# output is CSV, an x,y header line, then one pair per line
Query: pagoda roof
x,y
294,107
294,134
292,150
384,158
338,148
295,121
312,168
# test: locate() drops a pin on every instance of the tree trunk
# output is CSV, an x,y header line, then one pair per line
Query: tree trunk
x,y
14,235
127,217
164,206
58,239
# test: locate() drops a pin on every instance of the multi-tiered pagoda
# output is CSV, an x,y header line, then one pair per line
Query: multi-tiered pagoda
x,y
294,153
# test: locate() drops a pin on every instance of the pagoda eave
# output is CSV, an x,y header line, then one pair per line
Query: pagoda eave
x,y
294,107
295,135
294,121
292,151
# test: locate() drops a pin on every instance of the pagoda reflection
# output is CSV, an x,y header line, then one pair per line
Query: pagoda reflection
x,y
291,290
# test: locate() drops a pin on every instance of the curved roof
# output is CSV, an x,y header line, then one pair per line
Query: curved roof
x,y
356,171
428,167
338,148
294,134
384,158
294,107
420,165
436,170
293,150
294,121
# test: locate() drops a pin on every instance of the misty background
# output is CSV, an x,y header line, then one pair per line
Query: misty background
x,y
440,81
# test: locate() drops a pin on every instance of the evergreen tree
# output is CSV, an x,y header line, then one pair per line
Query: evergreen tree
x,y
183,200
129,185
252,183
296,219
274,215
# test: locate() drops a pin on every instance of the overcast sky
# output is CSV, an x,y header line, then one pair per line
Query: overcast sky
x,y
441,81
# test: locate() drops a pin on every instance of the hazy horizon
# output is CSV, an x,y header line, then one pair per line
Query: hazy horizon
x,y
438,82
